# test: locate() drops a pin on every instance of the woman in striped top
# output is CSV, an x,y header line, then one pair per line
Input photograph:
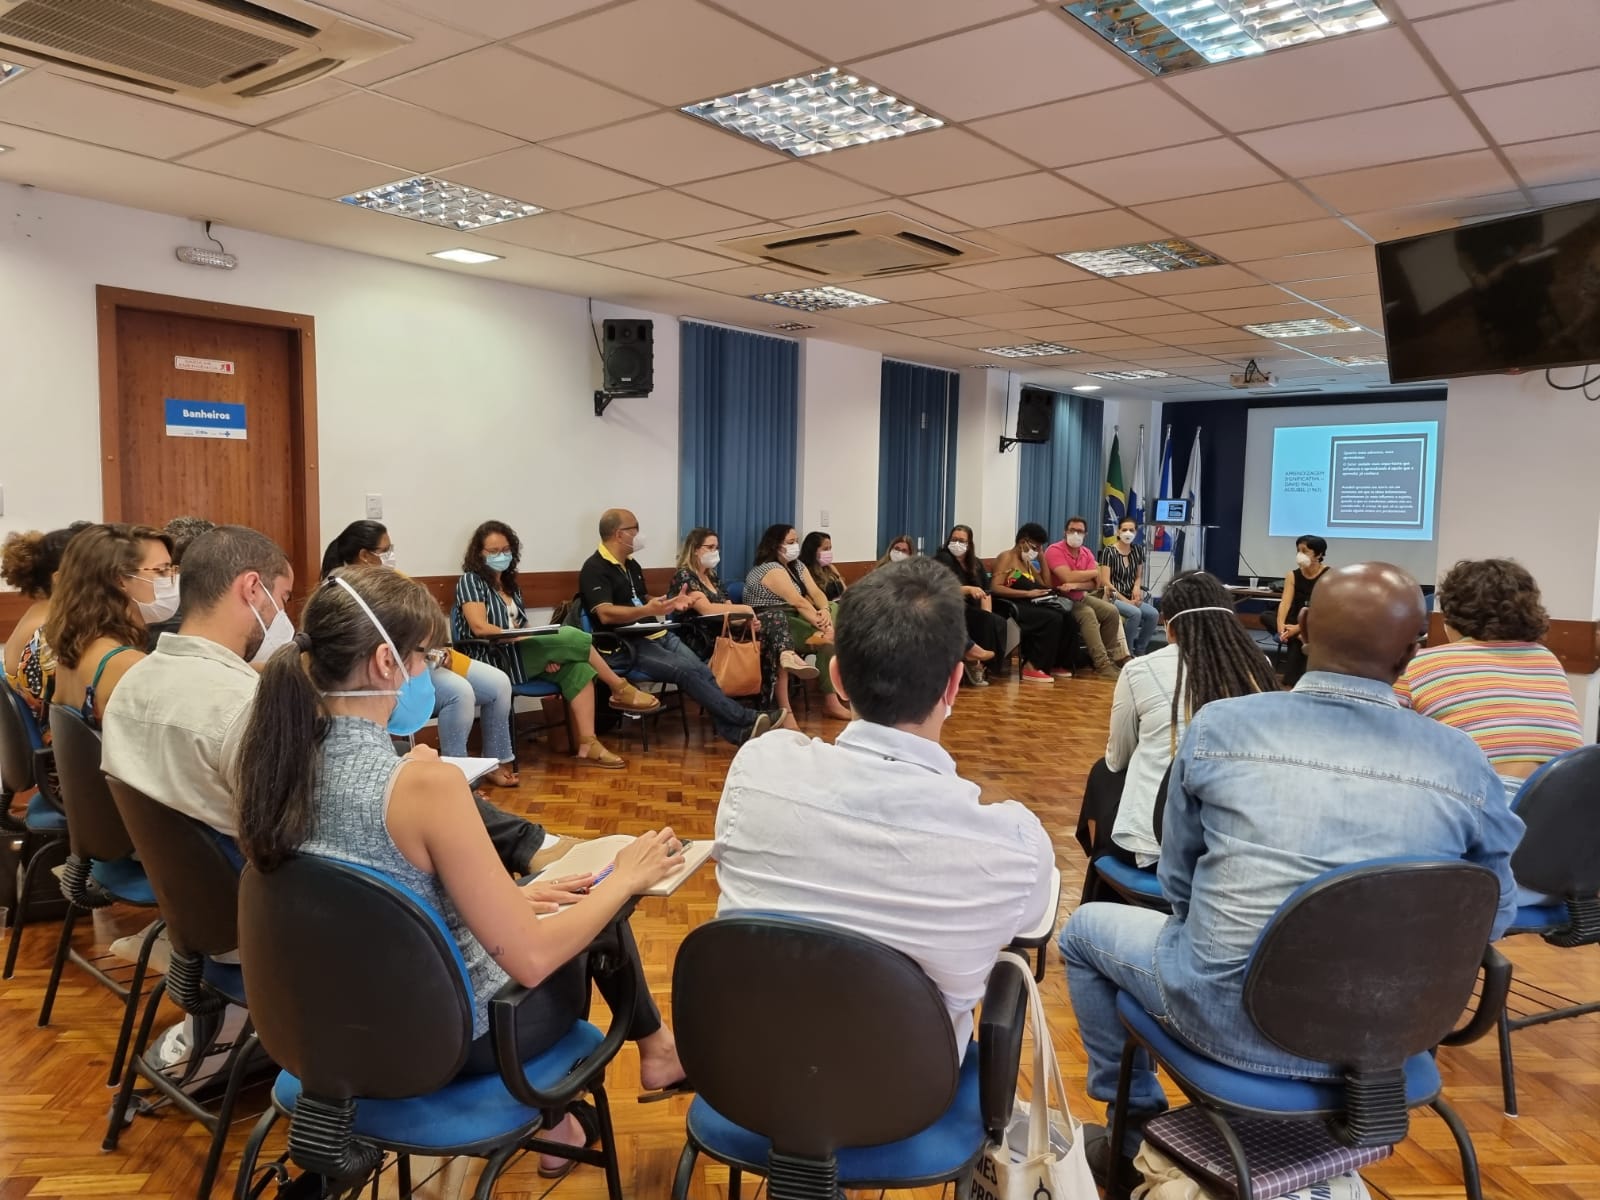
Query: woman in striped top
x,y
1494,680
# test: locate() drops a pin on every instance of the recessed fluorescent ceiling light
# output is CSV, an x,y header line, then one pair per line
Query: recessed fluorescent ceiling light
x,y
819,299
826,110
790,326
1142,258
1360,360
983,367
440,202
1028,350
1307,328
1128,374
1086,387
470,257
9,71
1167,36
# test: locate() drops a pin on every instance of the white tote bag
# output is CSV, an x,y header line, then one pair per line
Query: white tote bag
x,y
1042,1157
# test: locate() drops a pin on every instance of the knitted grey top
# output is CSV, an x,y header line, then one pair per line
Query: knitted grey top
x,y
349,807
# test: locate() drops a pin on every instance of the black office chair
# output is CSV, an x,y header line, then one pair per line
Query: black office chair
x,y
1110,878
26,764
197,892
1365,968
359,991
618,649
831,1062
101,870
1559,856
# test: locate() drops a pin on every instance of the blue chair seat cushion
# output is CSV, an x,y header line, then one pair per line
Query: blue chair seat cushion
x,y
1128,877
44,817
1538,918
1250,1092
465,1112
939,1152
123,880
226,979
535,687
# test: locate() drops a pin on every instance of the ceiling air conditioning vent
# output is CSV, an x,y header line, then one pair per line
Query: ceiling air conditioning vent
x,y
861,248
222,51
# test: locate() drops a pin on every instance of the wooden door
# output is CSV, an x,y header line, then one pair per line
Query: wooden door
x,y
168,367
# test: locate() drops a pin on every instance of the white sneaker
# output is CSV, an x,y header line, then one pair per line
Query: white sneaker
x,y
171,1048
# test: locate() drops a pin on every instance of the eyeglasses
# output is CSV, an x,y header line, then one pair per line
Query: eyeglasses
x,y
437,658
167,571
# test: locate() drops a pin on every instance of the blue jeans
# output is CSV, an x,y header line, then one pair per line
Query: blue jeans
x,y
1138,623
667,660
458,697
1110,948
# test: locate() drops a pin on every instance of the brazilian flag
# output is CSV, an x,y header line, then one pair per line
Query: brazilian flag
x,y
1116,502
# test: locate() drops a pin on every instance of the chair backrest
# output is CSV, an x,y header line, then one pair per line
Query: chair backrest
x,y
196,887
355,984
1560,853
1368,964
19,740
94,827
811,1035
735,591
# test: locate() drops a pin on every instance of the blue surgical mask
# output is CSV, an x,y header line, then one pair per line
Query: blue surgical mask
x,y
414,698
498,562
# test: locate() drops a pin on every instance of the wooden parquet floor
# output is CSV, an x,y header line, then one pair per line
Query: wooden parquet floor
x,y
53,1099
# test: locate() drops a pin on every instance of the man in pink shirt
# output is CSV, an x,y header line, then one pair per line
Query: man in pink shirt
x,y
1074,569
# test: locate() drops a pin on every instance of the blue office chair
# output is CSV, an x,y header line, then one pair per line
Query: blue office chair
x,y
735,590
831,1062
529,689
370,1016
1413,935
619,652
26,764
1135,885
1559,855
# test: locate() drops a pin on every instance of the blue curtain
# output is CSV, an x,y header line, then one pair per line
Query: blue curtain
x,y
739,405
1065,476
917,409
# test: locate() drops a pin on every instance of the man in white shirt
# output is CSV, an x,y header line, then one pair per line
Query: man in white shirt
x,y
877,833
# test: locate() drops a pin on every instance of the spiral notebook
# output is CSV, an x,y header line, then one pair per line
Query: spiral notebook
x,y
591,858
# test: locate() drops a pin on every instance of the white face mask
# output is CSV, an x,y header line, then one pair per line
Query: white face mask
x,y
959,549
386,558
1074,540
1127,536
1302,559
165,603
898,556
638,543
275,636
710,558
791,552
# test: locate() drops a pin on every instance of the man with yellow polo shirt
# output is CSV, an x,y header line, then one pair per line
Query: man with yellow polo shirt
x,y
612,589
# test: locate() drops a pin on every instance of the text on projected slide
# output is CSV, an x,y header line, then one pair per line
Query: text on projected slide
x,y
1354,481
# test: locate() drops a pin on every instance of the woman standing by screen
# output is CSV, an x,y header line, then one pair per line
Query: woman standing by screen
x,y
1309,552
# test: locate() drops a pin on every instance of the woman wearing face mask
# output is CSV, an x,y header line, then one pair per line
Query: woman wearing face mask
x,y
489,600
460,685
816,556
778,581
697,576
986,623
1309,552
319,775
1122,577
1049,634
114,580
899,549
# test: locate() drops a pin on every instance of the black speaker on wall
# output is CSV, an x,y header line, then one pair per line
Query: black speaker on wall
x,y
1036,410
627,357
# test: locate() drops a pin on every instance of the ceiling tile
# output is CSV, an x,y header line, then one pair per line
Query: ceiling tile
x,y
295,166
1542,108
1016,273
1559,160
1191,170
1088,291
1311,81
1369,139
1045,58
753,281
546,178
664,259
1108,125
1196,279
664,214
1340,288
1417,9
1018,318
1400,184
1211,341
1171,324
1068,333
1325,265
785,190
976,341
1221,212
1305,237
980,303
882,314
500,89
937,158
430,43
1522,40
387,130
843,30
1093,231
1116,342
506,18
900,207
559,233
923,286
669,148
1233,298
1119,309
1264,313
40,100
1003,201
673,51
712,242
942,327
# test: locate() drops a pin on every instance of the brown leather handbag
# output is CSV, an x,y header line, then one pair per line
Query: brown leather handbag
x,y
736,659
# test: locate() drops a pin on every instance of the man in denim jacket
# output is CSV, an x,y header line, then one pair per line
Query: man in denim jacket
x,y
1267,792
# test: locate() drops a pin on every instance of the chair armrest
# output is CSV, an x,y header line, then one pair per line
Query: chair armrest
x,y
605,955
1000,1029
1491,1000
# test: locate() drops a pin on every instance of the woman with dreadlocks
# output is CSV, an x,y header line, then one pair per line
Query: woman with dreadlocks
x,y
1208,657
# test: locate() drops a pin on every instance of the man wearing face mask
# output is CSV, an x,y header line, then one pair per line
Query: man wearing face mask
x,y
1074,569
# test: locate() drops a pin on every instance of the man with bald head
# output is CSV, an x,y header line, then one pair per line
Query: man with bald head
x,y
612,590
1267,792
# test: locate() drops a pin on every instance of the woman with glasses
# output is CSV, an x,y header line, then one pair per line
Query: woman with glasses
x,y
115,581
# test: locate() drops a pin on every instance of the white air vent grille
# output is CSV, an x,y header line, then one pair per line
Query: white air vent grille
x,y
870,247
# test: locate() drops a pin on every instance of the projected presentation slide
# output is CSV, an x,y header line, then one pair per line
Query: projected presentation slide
x,y
1354,481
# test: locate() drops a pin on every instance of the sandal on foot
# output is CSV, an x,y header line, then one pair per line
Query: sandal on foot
x,y
589,1122
628,698
503,776
682,1088
599,756
797,667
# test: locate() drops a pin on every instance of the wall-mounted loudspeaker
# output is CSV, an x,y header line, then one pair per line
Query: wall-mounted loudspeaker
x,y
628,357
1036,410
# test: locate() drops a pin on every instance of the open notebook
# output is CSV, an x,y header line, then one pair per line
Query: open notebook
x,y
473,768
594,857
